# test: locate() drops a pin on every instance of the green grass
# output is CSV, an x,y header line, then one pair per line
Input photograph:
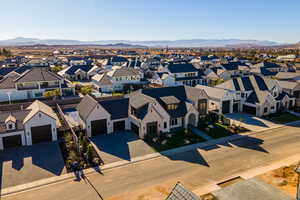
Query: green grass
x,y
117,93
285,118
219,130
177,140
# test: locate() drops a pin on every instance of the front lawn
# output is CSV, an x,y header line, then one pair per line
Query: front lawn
x,y
217,130
166,141
284,118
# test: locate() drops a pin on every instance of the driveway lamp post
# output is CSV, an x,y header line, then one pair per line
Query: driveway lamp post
x,y
297,170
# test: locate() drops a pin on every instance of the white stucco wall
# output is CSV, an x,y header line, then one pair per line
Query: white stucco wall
x,y
40,119
97,114
11,134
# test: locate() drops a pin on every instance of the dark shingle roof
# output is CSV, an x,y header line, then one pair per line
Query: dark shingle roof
x,y
118,108
6,70
181,68
118,59
74,68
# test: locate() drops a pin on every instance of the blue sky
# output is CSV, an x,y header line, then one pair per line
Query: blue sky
x,y
275,20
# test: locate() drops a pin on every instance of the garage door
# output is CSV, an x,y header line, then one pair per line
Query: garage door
x,y
41,134
249,109
225,107
99,127
119,126
134,128
12,141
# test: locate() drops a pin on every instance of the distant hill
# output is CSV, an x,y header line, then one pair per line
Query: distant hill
x,y
20,41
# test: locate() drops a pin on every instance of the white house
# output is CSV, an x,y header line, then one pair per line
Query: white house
x,y
117,78
32,84
37,123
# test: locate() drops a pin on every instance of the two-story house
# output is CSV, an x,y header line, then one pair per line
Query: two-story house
x,y
185,74
259,95
117,78
32,84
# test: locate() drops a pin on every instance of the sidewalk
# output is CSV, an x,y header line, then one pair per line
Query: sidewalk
x,y
69,176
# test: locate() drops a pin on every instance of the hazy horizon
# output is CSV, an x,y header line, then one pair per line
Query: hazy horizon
x,y
141,20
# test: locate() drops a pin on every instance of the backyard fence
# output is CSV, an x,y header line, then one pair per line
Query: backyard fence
x,y
68,127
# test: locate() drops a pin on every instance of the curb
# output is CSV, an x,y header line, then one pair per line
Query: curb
x,y
56,179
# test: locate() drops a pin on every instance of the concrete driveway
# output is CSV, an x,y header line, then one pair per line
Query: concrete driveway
x,y
251,122
30,163
119,146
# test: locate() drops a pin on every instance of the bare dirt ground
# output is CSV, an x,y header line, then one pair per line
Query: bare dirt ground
x,y
156,192
284,178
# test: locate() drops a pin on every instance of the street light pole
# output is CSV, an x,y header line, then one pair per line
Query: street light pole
x,y
297,170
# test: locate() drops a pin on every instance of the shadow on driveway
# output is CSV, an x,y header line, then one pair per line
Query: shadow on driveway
x,y
30,163
119,146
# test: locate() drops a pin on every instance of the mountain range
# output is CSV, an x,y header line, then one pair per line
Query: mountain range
x,y
21,41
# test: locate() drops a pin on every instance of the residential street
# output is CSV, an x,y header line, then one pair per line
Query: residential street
x,y
194,169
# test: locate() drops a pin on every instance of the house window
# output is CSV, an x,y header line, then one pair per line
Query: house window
x,y
202,106
265,109
174,122
272,107
165,124
10,126
172,106
242,95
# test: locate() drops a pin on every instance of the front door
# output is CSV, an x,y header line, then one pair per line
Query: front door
x,y
152,128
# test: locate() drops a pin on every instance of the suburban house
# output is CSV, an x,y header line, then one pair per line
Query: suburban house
x,y
236,68
32,84
159,110
118,61
258,95
186,74
37,123
290,87
221,100
79,72
117,79
164,79
102,117
144,111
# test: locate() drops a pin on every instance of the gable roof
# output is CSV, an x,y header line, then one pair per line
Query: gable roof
x,y
213,92
118,59
19,116
38,106
288,84
182,68
8,82
248,83
124,71
86,106
71,70
103,79
287,75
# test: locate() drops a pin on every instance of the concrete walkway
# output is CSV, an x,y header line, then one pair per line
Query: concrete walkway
x,y
201,134
294,113
251,122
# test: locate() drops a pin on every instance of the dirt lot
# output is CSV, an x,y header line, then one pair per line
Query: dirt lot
x,y
284,178
157,192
